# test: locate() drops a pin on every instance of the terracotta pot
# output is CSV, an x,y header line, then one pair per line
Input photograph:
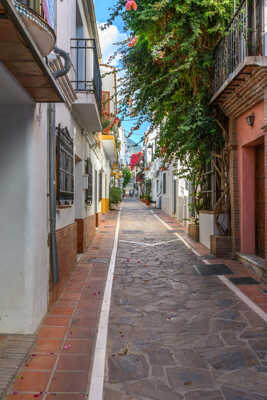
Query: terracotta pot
x,y
147,202
193,231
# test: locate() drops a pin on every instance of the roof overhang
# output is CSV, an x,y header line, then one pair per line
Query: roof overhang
x,y
243,88
108,143
21,56
86,111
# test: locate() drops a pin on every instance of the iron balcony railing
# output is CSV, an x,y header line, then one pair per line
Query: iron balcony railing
x,y
244,37
86,66
34,5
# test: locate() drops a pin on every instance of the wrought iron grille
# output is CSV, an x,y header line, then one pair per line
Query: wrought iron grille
x,y
65,176
89,172
244,37
87,70
34,5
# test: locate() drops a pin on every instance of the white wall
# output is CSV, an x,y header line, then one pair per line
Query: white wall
x,y
207,227
24,268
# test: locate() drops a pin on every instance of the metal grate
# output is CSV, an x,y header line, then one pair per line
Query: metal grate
x,y
65,177
243,38
212,269
247,280
85,60
89,172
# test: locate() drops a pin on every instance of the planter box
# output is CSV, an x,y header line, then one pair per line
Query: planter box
x,y
221,246
207,227
193,231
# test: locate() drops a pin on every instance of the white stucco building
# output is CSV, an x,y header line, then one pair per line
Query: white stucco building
x,y
55,171
170,192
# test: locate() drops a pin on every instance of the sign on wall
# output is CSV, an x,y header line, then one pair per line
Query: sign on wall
x,y
49,11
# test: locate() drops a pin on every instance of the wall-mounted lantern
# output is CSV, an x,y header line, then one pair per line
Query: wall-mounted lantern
x,y
250,119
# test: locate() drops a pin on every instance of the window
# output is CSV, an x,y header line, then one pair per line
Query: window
x,y
164,183
65,177
100,186
89,172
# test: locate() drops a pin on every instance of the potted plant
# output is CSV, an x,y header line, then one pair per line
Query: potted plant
x,y
195,206
114,196
193,229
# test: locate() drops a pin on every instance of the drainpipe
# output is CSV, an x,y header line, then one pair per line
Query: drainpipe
x,y
52,190
52,167
67,62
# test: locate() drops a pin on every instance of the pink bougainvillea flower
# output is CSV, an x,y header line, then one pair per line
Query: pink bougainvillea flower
x,y
131,4
160,54
132,42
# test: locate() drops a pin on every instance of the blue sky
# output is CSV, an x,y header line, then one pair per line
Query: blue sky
x,y
108,37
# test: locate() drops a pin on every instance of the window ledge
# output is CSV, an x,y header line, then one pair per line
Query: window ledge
x,y
62,206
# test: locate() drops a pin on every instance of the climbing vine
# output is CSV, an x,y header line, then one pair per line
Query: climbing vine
x,y
168,61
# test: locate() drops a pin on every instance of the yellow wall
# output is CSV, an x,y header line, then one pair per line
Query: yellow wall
x,y
104,205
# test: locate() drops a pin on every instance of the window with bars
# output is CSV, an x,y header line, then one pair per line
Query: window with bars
x,y
164,184
65,169
89,172
100,186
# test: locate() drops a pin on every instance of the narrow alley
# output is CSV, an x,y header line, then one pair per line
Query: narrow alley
x,y
144,318
173,333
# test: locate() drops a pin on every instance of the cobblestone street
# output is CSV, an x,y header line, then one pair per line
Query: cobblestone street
x,y
173,333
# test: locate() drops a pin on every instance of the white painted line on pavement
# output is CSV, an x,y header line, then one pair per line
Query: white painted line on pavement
x,y
222,278
148,244
243,297
176,234
98,370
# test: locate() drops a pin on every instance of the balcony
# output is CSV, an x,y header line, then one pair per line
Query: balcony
x,y
26,37
109,146
240,59
38,21
87,83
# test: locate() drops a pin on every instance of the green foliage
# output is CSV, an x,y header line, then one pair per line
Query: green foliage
x,y
148,185
127,175
114,195
168,74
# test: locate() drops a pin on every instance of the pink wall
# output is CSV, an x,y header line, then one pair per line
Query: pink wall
x,y
247,138
247,134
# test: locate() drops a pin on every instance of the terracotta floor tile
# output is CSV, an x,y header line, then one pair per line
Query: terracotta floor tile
x,y
252,290
24,396
32,381
65,396
55,320
85,322
47,346
52,332
73,362
69,382
259,299
263,307
79,346
40,361
61,310
81,333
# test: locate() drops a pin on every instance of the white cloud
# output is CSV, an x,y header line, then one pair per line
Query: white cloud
x,y
107,38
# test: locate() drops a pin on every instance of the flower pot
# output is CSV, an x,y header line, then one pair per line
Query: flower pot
x,y
147,202
193,231
221,246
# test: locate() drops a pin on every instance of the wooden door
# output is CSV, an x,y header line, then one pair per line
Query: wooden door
x,y
259,201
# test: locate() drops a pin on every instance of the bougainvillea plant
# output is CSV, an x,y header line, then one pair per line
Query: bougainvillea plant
x,y
135,159
168,72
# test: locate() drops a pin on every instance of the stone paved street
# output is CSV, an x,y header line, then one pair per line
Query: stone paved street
x,y
173,334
